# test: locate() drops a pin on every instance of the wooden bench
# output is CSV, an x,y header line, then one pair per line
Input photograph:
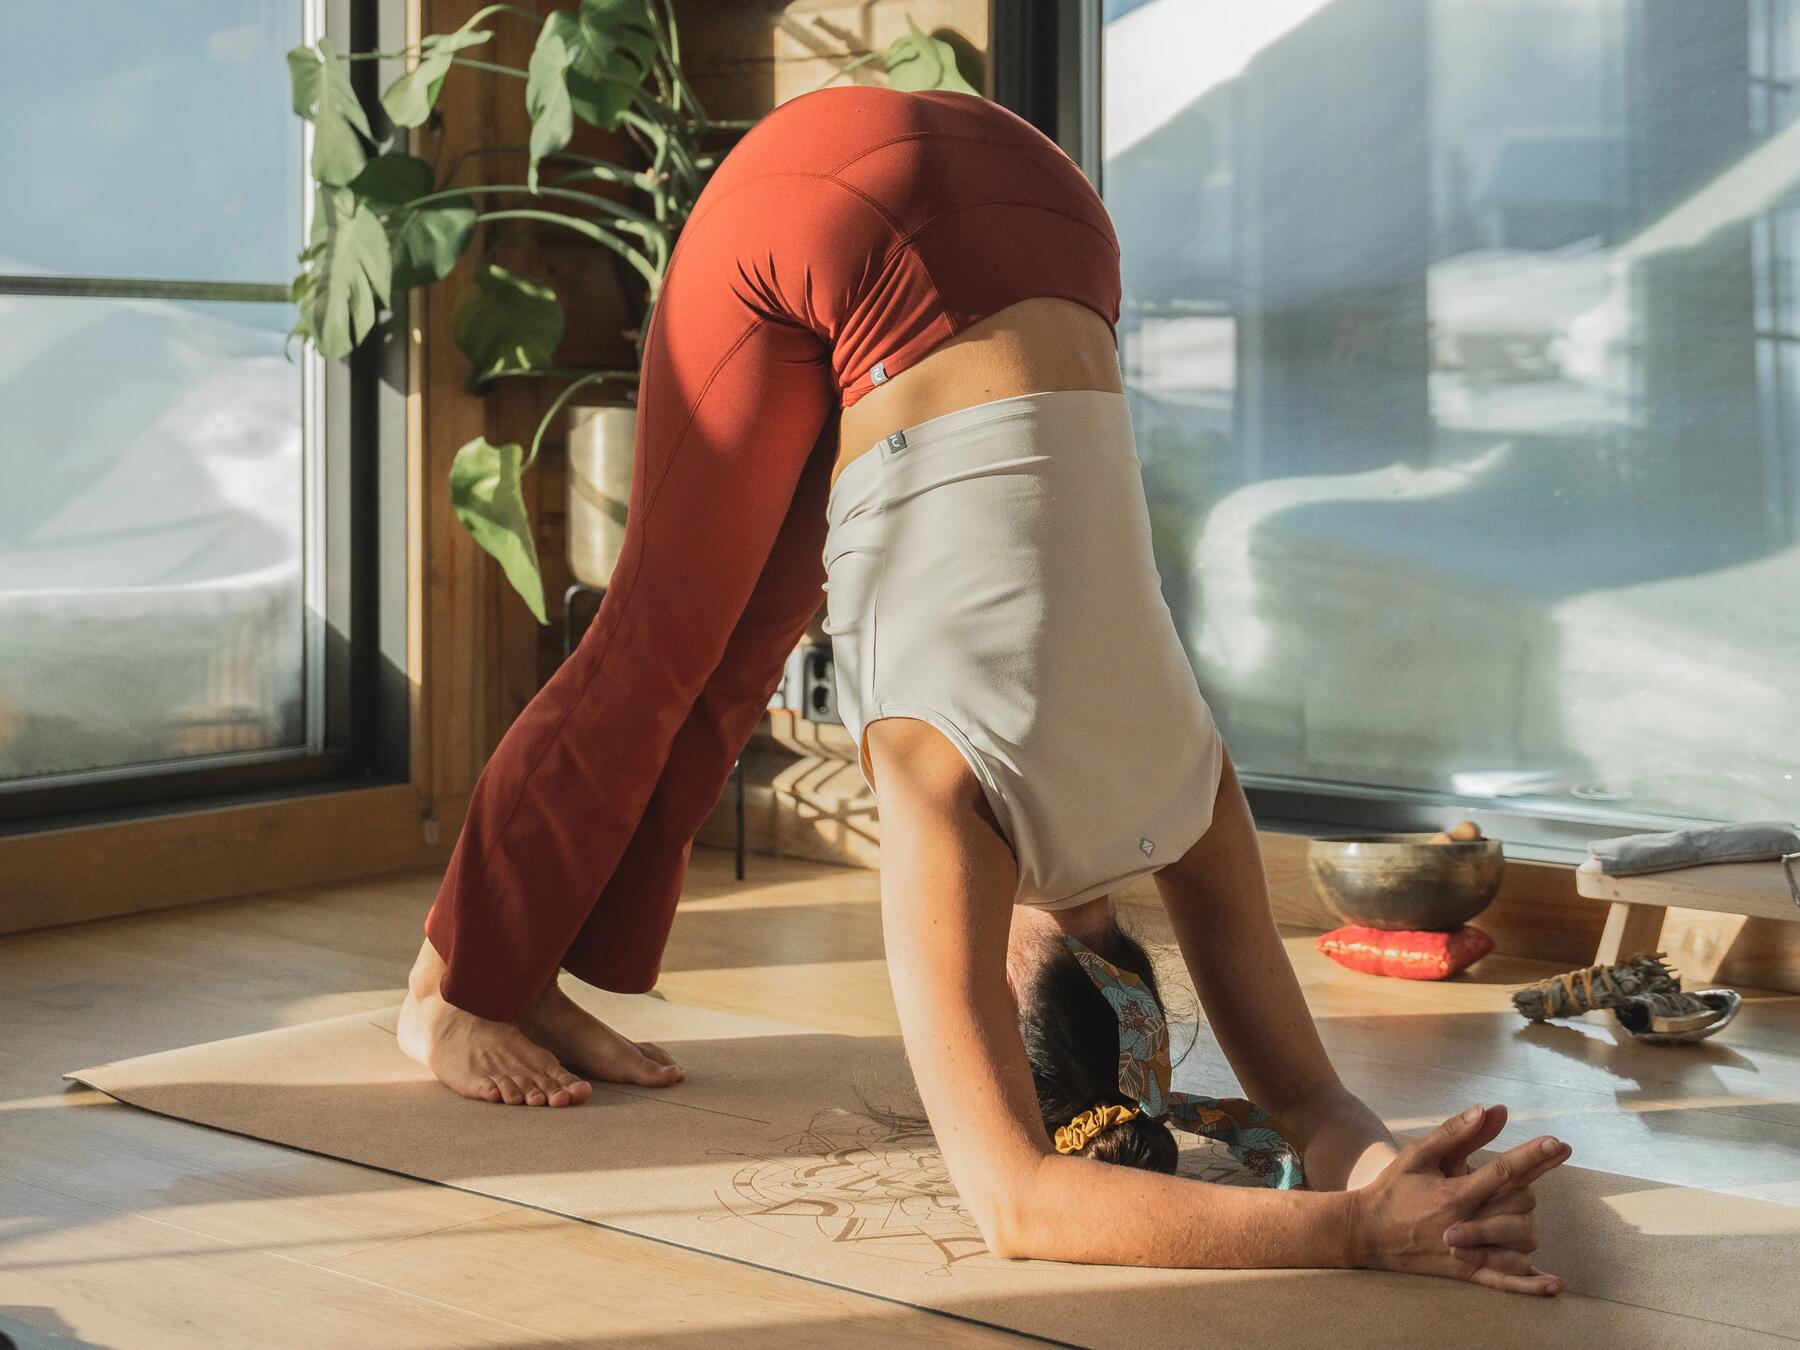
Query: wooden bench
x,y
1733,891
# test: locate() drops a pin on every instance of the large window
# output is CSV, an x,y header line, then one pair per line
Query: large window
x,y
1463,343
178,570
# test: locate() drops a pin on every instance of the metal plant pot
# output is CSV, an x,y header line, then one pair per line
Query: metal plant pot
x,y
601,440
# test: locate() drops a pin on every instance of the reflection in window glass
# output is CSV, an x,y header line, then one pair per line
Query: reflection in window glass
x,y
151,603
150,140
1462,343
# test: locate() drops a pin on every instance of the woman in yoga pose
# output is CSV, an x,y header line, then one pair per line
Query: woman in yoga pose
x,y
931,284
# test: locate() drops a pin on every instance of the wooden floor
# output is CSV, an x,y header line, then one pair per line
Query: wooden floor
x,y
119,1228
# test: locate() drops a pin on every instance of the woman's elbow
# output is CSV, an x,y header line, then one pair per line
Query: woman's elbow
x,y
1004,1232
1008,1215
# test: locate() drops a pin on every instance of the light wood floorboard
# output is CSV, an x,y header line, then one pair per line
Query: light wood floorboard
x,y
123,1228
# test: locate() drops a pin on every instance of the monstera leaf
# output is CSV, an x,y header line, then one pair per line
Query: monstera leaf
x,y
425,240
392,180
349,273
506,321
617,52
547,88
920,61
323,96
486,496
410,99
297,294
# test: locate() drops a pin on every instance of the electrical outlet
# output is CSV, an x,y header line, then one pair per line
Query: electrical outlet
x,y
821,684
810,684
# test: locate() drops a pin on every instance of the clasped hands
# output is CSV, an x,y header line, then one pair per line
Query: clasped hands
x,y
1430,1213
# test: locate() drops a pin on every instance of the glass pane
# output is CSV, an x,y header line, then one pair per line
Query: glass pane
x,y
151,603
150,141
1461,337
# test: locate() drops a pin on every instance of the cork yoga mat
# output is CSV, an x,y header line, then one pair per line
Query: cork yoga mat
x,y
768,1154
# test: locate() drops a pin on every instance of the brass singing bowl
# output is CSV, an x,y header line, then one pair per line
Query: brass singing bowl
x,y
1399,881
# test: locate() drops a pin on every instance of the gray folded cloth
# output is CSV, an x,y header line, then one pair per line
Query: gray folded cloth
x,y
1743,841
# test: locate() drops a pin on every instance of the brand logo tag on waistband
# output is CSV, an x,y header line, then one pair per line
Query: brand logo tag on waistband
x,y
896,442
878,372
1146,846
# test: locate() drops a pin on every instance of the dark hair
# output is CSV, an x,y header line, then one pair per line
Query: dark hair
x,y
1071,1038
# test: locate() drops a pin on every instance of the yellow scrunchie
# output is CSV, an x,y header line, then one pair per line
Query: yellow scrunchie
x,y
1073,1137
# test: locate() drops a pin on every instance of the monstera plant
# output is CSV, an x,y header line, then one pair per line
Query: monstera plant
x,y
385,221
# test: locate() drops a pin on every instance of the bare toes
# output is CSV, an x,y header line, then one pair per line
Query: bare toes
x,y
649,1073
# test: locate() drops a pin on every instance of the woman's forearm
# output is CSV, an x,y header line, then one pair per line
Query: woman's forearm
x,y
1217,897
1076,1209
1344,1143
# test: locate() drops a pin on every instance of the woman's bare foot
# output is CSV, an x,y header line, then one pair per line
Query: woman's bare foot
x,y
561,1025
489,1061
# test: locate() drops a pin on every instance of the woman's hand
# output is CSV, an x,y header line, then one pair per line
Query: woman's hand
x,y
1453,1162
1428,1214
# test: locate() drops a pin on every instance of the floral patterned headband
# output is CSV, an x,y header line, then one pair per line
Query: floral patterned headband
x,y
1255,1138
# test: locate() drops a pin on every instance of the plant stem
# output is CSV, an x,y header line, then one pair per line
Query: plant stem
x,y
609,173
674,49
494,66
674,83
639,222
519,10
544,373
664,133
603,170
586,228
862,60
592,377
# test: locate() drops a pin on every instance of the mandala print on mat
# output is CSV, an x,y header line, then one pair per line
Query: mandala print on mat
x,y
880,1189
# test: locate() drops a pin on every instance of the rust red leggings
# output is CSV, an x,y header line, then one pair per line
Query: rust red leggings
x,y
850,232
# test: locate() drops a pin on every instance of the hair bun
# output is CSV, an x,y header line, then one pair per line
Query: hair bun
x,y
1090,1125
1143,1141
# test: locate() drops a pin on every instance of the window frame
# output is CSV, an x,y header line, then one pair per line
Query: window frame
x,y
354,581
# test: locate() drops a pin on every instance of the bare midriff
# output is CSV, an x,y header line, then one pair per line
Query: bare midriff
x,y
1036,345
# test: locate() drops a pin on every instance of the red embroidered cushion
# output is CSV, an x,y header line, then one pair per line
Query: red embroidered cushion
x,y
1406,955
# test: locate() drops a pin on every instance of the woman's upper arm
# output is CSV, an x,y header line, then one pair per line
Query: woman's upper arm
x,y
946,958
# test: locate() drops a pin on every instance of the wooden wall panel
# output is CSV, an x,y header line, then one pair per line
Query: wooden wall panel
x,y
164,861
482,641
748,57
457,582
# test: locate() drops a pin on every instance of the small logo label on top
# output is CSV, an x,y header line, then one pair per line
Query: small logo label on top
x,y
1146,847
878,372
